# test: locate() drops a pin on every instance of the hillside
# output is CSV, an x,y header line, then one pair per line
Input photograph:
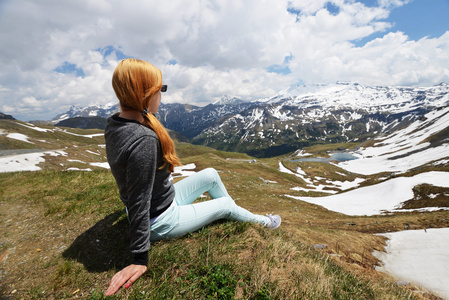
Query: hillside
x,y
83,122
63,231
309,115
5,116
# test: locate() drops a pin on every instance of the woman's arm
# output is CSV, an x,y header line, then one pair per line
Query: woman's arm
x,y
141,169
140,172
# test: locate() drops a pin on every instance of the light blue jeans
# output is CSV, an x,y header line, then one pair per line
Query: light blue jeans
x,y
184,217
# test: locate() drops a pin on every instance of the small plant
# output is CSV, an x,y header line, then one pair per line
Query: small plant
x,y
263,293
65,268
36,292
218,282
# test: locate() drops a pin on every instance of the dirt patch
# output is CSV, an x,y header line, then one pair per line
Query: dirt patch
x,y
30,244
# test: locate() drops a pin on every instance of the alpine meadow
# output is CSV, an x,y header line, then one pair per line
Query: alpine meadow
x,y
345,178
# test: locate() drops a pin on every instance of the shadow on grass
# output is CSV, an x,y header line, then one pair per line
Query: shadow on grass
x,y
104,246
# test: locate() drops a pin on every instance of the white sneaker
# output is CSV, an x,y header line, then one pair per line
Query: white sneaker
x,y
275,221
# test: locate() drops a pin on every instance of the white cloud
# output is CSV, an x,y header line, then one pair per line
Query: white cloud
x,y
206,83
219,46
393,3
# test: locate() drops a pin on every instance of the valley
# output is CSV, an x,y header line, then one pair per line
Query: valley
x,y
71,177
59,197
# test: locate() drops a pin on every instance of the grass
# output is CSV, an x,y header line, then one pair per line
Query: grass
x,y
68,235
54,138
228,260
208,264
428,195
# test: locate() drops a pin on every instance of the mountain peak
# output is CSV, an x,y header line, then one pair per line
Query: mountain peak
x,y
320,88
5,116
89,111
227,100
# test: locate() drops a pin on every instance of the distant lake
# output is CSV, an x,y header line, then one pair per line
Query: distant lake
x,y
338,156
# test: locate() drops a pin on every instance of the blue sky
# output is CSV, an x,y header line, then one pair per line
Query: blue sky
x,y
422,18
417,19
56,54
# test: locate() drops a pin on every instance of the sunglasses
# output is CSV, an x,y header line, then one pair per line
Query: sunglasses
x,y
164,88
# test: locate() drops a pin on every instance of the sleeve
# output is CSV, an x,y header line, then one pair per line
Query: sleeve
x,y
140,175
141,258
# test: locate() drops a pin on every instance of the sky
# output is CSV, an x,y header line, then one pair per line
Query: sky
x,y
55,54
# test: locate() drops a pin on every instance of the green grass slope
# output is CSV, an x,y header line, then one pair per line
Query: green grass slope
x,y
63,234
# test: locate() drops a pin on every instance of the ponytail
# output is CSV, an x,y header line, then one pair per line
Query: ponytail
x,y
168,147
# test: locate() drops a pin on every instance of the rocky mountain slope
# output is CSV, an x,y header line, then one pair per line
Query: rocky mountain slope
x,y
326,113
298,117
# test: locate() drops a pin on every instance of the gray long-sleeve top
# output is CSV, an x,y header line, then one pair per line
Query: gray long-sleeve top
x,y
134,154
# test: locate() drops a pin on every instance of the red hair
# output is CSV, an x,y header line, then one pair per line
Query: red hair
x,y
135,81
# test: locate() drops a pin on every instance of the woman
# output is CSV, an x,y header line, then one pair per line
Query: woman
x,y
142,156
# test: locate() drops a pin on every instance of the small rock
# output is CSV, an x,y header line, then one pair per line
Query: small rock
x,y
402,283
14,291
335,255
319,246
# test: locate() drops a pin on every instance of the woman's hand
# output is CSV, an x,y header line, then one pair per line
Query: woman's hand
x,y
129,274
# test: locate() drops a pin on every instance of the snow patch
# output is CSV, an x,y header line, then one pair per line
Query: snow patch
x,y
31,126
418,256
91,152
25,162
379,198
19,137
404,149
76,169
82,135
184,171
100,164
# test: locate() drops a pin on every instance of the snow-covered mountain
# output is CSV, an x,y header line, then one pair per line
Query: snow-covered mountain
x,y
373,99
304,115
423,142
300,116
228,100
90,111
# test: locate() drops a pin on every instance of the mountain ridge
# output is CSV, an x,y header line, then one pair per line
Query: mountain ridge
x,y
300,116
